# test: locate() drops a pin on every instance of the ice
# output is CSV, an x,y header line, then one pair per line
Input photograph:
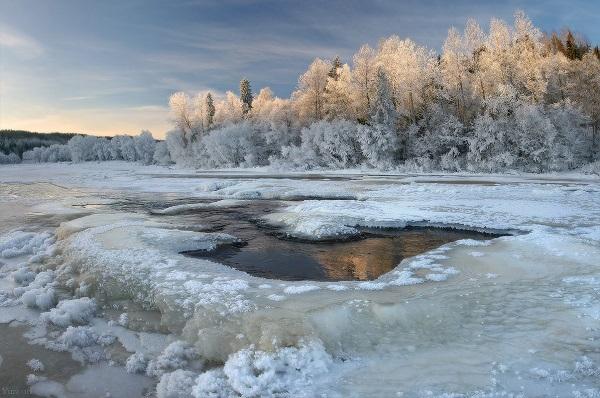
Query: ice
x,y
69,312
136,363
80,336
175,356
300,289
289,371
36,365
177,384
19,243
440,324
195,206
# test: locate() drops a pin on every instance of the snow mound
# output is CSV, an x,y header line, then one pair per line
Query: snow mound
x,y
177,384
39,293
136,363
289,371
36,365
19,243
195,206
175,356
69,312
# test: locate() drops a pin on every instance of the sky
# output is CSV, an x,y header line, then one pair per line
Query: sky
x,y
108,67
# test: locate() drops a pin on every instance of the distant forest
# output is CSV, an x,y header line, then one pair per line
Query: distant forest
x,y
19,141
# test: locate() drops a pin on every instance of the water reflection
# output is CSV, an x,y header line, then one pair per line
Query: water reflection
x,y
365,259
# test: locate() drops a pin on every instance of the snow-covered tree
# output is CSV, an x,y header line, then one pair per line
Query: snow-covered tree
x,y
309,99
210,110
184,116
364,76
246,96
11,158
382,110
161,153
144,147
584,90
228,110
338,96
411,71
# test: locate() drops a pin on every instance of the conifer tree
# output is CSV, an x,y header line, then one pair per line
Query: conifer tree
x,y
210,110
246,96
336,64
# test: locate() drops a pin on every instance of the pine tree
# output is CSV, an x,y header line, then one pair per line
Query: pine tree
x,y
210,110
336,64
571,46
246,96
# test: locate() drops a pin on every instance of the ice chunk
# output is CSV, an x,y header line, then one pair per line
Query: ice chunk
x,y
43,298
175,356
80,336
300,289
177,384
18,243
252,373
213,384
23,276
36,365
136,363
68,312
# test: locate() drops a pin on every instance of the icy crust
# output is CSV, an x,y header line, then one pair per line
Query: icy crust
x,y
139,261
195,206
460,206
19,243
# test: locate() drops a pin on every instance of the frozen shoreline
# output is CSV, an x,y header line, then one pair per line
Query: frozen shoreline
x,y
337,330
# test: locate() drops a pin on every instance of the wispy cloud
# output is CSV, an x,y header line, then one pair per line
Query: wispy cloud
x,y
21,44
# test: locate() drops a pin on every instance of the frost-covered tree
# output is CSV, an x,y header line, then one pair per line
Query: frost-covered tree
x,y
438,141
411,71
11,158
584,90
338,96
364,77
309,99
82,148
161,153
382,110
228,110
184,116
233,146
246,96
336,64
144,147
210,110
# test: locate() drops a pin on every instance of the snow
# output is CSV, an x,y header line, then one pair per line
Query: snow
x,y
136,363
18,243
36,365
194,206
254,373
177,384
175,356
69,312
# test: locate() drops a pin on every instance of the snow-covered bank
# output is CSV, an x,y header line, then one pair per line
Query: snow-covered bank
x,y
514,315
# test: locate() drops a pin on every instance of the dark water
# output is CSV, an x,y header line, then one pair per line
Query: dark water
x,y
268,253
374,254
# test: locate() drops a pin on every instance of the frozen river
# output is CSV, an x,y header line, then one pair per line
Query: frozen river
x,y
419,286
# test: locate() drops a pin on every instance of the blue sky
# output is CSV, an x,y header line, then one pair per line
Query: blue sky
x,y
108,67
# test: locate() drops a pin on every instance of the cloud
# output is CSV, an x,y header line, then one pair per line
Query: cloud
x,y
22,45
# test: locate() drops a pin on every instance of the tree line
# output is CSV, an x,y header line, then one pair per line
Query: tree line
x,y
507,98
